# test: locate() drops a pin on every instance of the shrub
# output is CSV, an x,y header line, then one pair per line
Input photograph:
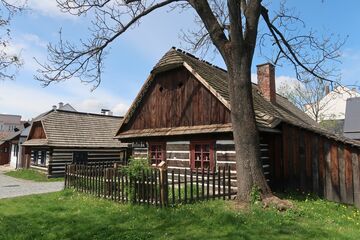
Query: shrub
x,y
134,170
136,167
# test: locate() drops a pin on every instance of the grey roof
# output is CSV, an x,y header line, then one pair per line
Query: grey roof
x,y
268,115
352,118
25,132
67,107
76,129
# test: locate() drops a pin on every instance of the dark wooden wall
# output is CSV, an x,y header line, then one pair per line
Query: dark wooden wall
x,y
175,99
62,156
37,131
4,153
315,164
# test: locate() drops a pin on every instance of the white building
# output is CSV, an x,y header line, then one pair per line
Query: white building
x,y
333,105
9,123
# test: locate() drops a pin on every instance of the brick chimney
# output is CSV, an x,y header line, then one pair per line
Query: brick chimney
x,y
266,81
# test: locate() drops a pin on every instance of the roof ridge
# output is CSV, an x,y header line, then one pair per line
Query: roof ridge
x,y
181,51
86,113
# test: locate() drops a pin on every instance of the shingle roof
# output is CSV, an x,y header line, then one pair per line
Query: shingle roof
x,y
75,129
6,136
216,77
268,115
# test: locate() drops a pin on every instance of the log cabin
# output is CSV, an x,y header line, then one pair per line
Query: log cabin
x,y
182,116
61,137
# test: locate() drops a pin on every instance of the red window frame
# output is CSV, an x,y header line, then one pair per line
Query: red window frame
x,y
157,152
202,155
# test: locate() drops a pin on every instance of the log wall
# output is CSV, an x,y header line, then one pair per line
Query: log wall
x,y
178,156
57,158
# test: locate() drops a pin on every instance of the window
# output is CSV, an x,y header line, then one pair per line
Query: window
x,y
16,149
42,158
202,155
80,157
39,158
157,152
34,157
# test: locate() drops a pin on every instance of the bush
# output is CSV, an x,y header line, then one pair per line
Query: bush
x,y
134,170
136,167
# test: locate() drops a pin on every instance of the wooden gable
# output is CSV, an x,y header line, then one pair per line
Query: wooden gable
x,y
37,131
175,99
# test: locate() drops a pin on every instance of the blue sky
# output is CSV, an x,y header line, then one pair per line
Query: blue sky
x,y
132,56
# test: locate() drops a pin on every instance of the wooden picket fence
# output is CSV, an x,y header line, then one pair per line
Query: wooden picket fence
x,y
154,187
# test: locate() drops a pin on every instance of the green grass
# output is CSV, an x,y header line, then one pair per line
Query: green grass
x,y
69,215
30,174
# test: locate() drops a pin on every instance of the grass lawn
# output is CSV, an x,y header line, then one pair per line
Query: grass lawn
x,y
69,215
30,174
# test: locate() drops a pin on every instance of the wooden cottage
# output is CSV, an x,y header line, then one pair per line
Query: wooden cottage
x,y
182,116
61,137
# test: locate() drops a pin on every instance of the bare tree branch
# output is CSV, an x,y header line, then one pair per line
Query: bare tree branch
x,y
292,49
9,61
86,62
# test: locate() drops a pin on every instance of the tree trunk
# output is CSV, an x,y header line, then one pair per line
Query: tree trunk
x,y
246,135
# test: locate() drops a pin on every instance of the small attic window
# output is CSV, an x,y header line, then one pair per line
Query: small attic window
x,y
180,84
161,89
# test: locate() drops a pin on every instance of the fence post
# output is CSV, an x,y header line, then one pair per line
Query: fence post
x,y
66,176
163,186
107,182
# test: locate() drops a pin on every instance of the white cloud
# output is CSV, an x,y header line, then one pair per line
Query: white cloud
x,y
48,8
29,101
286,81
34,39
281,82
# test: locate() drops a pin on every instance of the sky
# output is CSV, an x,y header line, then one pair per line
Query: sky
x,y
133,55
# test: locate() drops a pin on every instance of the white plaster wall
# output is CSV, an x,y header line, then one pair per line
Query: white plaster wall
x,y
13,159
335,104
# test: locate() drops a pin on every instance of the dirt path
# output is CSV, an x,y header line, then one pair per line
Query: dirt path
x,y
13,187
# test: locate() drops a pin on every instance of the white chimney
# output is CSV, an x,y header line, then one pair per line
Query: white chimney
x,y
106,112
61,105
54,107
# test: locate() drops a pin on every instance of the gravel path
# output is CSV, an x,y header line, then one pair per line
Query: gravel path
x,y
13,187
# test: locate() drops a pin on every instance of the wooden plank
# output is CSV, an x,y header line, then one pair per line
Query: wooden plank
x,y
285,157
321,157
296,158
356,178
308,165
302,156
349,187
291,157
315,164
278,162
342,174
334,169
327,172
